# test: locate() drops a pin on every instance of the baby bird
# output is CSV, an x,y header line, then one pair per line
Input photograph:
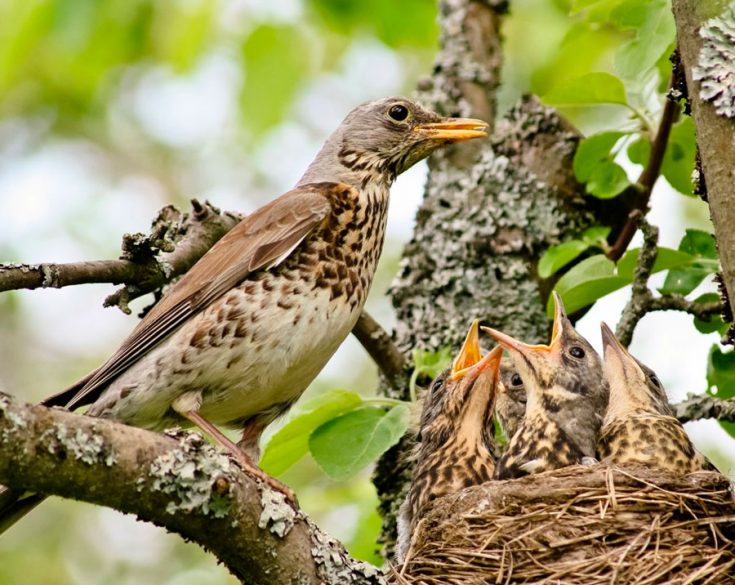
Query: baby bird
x,y
566,400
510,402
456,442
639,425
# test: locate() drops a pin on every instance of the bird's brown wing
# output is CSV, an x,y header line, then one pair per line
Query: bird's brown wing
x,y
261,240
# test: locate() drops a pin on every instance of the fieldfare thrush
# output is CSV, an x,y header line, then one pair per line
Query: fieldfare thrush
x,y
237,340
456,441
566,400
639,425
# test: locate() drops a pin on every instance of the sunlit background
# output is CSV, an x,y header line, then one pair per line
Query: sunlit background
x,y
111,110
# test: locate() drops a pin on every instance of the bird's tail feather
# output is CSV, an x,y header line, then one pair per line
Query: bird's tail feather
x,y
14,505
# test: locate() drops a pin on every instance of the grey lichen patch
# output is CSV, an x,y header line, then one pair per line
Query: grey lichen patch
x,y
14,416
715,69
336,567
86,447
197,474
277,515
49,276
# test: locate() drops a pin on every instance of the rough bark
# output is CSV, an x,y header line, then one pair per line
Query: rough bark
x,y
706,37
178,482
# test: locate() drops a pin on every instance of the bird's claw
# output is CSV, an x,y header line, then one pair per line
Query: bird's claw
x,y
589,461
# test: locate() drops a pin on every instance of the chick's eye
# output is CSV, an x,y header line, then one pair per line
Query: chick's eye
x,y
398,113
515,380
576,352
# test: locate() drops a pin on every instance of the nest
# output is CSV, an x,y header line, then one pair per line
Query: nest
x,y
579,525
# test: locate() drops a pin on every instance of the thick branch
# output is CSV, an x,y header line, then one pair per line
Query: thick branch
x,y
701,406
706,49
180,483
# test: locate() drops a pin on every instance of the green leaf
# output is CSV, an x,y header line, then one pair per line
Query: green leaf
x,y
714,322
640,151
701,245
607,181
345,445
593,164
655,34
596,236
560,255
592,151
591,88
721,372
291,442
597,276
682,281
678,163
431,363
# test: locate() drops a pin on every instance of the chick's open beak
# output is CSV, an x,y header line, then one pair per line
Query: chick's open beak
x,y
469,362
559,315
612,347
454,129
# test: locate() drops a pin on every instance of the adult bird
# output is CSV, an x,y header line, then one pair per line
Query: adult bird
x,y
639,425
237,340
456,441
566,400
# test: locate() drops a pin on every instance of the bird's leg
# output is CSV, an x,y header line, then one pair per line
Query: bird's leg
x,y
192,414
242,458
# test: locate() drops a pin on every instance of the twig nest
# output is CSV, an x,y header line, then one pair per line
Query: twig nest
x,y
579,525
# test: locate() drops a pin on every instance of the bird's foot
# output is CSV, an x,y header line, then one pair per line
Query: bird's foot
x,y
589,461
252,469
241,457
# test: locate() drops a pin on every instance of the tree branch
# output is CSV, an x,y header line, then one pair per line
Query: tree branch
x,y
644,186
176,241
701,406
642,300
179,482
379,345
705,47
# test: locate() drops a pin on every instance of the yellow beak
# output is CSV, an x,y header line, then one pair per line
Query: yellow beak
x,y
454,129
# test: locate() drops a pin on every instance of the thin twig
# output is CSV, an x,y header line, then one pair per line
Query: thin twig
x,y
642,300
148,263
644,186
381,348
637,306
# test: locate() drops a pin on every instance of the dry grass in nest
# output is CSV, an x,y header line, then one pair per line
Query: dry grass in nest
x,y
579,525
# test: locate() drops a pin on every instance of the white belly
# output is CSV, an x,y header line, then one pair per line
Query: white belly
x,y
271,364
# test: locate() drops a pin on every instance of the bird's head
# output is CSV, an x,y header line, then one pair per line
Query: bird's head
x,y
379,140
632,384
568,366
510,403
461,401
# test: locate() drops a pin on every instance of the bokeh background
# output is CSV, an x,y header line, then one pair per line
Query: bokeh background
x,y
111,110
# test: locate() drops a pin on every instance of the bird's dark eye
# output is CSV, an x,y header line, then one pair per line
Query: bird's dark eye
x,y
398,113
655,381
576,352
515,380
